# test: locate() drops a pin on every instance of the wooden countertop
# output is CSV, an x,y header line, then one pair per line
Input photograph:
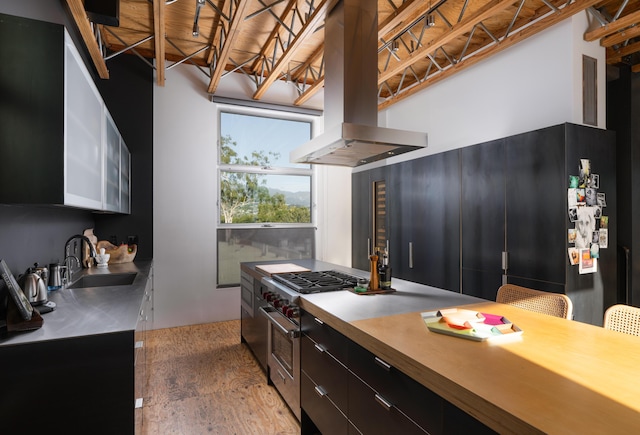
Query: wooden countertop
x,y
560,376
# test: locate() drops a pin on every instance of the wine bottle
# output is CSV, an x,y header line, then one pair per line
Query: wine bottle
x,y
385,271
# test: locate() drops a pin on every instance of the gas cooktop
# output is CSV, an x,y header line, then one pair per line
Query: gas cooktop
x,y
315,282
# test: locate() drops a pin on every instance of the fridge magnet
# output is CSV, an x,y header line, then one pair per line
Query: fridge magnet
x,y
580,196
594,181
574,256
571,236
595,237
585,172
601,199
574,180
595,250
585,225
604,222
573,214
587,264
603,239
572,197
590,196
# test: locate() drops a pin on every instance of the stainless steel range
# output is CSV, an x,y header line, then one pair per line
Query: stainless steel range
x,y
282,293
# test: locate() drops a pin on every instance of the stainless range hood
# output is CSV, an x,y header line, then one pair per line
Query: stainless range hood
x,y
352,136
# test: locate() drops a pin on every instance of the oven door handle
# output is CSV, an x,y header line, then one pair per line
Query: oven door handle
x,y
291,333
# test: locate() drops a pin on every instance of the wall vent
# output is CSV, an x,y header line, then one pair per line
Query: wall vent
x,y
589,90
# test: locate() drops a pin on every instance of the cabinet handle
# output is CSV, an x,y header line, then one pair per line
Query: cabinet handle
x,y
383,402
505,260
368,246
318,321
410,255
320,348
382,363
320,391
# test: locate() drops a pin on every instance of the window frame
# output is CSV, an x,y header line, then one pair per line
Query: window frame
x,y
220,168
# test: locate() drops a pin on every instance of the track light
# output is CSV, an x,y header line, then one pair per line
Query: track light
x,y
196,31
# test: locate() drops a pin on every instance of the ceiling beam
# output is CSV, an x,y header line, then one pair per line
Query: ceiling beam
x,y
620,37
266,48
234,25
533,29
490,9
612,27
159,40
615,56
84,26
313,89
307,30
407,12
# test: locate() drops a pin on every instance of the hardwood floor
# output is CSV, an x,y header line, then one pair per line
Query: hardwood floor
x,y
203,380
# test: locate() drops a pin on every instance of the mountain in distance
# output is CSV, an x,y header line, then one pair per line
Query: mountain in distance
x,y
292,198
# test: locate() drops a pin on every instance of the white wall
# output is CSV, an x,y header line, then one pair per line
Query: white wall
x,y
185,194
534,84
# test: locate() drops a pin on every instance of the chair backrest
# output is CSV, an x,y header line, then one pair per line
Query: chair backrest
x,y
623,318
553,304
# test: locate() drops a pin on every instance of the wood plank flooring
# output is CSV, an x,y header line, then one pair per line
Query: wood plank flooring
x,y
203,380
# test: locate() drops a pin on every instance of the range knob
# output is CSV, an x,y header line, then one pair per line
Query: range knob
x,y
277,302
292,311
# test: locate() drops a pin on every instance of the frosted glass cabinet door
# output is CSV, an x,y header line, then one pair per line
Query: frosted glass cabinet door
x,y
112,166
125,178
83,135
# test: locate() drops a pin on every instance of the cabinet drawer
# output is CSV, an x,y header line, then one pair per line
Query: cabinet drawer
x,y
325,371
419,403
328,419
331,340
372,413
458,421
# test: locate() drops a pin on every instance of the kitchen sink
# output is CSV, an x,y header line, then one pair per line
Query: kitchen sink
x,y
104,280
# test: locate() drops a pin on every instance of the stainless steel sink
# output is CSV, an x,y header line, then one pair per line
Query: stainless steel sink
x,y
104,280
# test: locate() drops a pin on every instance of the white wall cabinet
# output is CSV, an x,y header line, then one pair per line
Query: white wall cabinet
x,y
58,143
117,171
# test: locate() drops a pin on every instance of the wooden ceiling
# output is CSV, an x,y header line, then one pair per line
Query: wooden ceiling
x,y
420,42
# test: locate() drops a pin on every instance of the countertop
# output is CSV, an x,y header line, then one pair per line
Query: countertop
x,y
92,310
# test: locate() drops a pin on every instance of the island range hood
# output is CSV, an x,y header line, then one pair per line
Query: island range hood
x,y
351,136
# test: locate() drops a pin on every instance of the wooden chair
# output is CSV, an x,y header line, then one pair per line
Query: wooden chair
x,y
553,304
623,318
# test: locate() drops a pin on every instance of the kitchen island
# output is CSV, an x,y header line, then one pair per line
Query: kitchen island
x,y
81,371
559,376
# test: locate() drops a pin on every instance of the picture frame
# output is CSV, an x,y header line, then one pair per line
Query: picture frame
x,y
18,296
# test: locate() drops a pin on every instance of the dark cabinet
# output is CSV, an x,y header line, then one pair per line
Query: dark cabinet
x,y
482,209
514,201
424,220
470,219
362,221
347,389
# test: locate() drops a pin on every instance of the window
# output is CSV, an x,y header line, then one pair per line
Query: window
x,y
265,201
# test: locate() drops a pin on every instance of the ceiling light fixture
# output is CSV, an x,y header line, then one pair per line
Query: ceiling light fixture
x,y
196,30
431,19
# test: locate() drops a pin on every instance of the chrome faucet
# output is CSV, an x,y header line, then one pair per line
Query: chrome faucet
x,y
69,268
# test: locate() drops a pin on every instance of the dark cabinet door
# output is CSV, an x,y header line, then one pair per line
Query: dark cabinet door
x,y
362,191
360,220
483,218
536,205
424,210
402,222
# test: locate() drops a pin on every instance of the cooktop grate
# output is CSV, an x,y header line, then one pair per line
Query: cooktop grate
x,y
315,282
